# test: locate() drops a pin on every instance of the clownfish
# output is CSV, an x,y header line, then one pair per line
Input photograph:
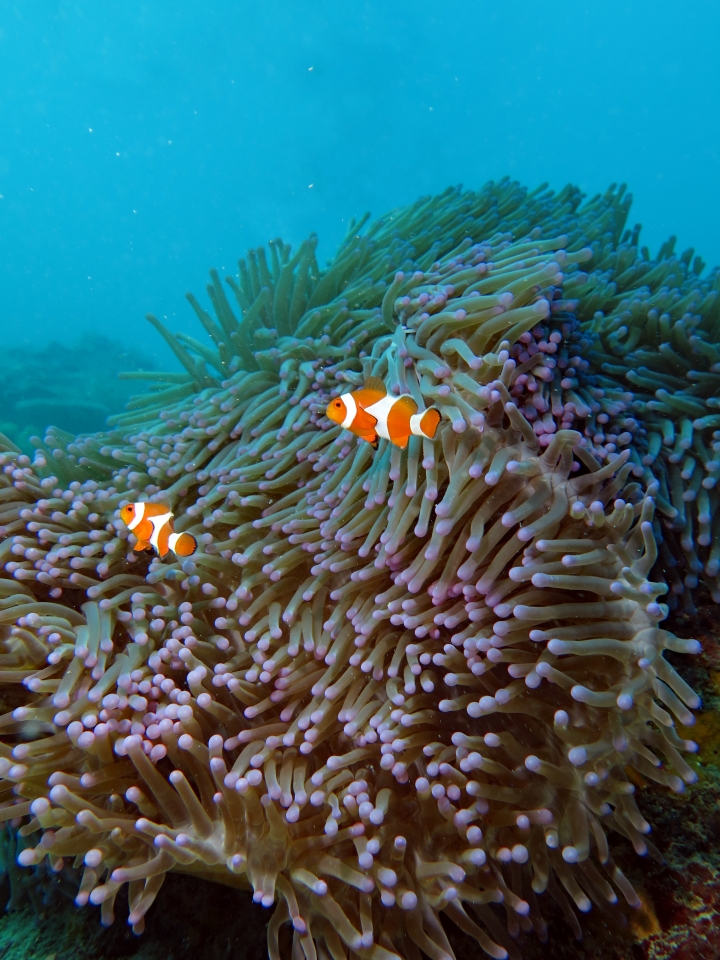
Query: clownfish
x,y
372,412
152,524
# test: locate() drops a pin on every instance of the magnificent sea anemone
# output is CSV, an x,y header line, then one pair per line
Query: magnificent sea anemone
x,y
392,687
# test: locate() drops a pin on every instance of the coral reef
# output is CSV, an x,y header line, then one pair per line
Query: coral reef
x,y
392,688
77,389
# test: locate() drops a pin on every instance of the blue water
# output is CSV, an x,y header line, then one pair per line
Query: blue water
x,y
141,143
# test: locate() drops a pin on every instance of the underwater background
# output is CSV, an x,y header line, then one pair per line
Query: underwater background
x,y
144,143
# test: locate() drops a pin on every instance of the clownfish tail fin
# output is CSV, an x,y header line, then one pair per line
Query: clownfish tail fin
x,y
183,544
429,422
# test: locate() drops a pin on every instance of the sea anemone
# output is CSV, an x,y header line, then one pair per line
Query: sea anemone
x,y
392,686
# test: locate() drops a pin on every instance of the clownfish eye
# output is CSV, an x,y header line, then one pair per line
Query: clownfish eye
x,y
337,403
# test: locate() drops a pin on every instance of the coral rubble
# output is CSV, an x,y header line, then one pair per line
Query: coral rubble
x,y
393,686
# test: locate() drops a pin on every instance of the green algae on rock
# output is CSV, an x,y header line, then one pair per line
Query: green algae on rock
x,y
391,686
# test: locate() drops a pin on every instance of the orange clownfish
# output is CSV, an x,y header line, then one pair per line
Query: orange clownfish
x,y
372,412
152,524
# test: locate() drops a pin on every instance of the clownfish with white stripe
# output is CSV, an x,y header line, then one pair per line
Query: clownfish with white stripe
x,y
152,524
372,413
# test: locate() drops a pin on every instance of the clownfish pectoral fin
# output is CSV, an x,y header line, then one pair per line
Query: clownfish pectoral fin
x,y
363,423
142,545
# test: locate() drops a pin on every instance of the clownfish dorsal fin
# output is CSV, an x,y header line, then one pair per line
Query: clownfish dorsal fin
x,y
376,385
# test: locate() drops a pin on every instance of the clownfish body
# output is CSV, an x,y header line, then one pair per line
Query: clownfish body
x,y
372,413
152,524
